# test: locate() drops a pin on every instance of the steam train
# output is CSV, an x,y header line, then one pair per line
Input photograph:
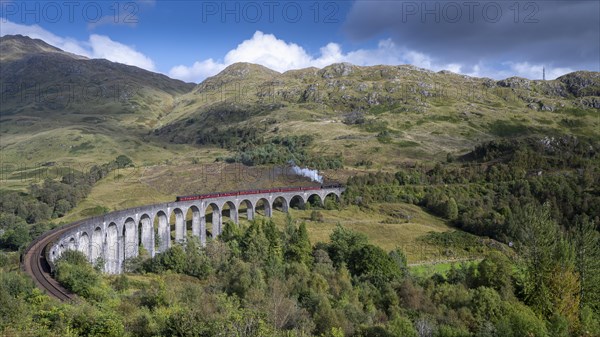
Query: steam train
x,y
250,192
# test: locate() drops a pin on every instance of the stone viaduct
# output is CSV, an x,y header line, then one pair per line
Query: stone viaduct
x,y
117,236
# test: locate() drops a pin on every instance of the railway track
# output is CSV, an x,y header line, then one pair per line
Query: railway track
x,y
35,264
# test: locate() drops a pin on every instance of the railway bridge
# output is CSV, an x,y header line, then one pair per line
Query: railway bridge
x,y
117,236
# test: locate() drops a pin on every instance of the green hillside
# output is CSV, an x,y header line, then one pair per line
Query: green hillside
x,y
471,206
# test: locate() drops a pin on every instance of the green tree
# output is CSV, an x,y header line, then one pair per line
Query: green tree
x,y
274,263
343,242
123,161
538,244
373,264
299,248
401,326
254,245
174,259
495,271
486,306
75,273
451,209
518,321
586,242
15,238
197,263
62,207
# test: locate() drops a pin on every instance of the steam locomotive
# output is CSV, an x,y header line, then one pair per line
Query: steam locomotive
x,y
250,192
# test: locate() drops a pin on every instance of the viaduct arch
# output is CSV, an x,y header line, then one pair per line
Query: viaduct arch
x,y
117,236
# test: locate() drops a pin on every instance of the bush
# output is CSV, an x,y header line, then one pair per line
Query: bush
x,y
520,320
402,326
316,216
373,264
77,275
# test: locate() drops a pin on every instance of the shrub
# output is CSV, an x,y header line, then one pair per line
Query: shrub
x,y
316,216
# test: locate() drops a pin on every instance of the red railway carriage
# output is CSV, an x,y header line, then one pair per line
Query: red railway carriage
x,y
248,192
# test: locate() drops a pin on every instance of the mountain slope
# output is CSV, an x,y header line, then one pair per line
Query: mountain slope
x,y
54,102
60,106
380,114
37,77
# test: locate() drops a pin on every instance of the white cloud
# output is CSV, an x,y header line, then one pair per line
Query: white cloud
x,y
199,70
534,71
37,32
97,46
267,50
103,47
519,69
277,54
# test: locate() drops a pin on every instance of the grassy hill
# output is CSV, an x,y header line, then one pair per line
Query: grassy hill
x,y
61,107
385,114
66,108
61,110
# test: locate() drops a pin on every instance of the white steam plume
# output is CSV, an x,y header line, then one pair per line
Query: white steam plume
x,y
306,172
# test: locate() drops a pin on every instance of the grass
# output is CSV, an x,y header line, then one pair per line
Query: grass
x,y
413,128
503,128
442,268
377,227
133,187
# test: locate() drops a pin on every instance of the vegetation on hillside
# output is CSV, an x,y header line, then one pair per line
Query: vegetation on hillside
x,y
481,170
262,281
24,216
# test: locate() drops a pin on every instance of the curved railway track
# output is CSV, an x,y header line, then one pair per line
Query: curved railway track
x,y
35,264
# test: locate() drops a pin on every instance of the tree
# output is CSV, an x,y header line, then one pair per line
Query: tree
x,y
451,211
398,256
15,238
197,263
62,207
123,161
343,242
518,321
299,248
586,242
254,244
76,274
274,262
564,285
401,326
373,264
538,238
495,271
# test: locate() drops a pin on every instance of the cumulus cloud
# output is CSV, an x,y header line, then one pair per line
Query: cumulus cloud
x,y
36,32
279,55
269,51
97,46
199,70
103,47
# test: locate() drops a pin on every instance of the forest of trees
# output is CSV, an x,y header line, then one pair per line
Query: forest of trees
x,y
262,281
539,201
483,192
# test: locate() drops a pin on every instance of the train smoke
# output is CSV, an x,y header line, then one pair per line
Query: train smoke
x,y
306,172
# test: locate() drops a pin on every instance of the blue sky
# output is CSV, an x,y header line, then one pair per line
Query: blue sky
x,y
192,40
